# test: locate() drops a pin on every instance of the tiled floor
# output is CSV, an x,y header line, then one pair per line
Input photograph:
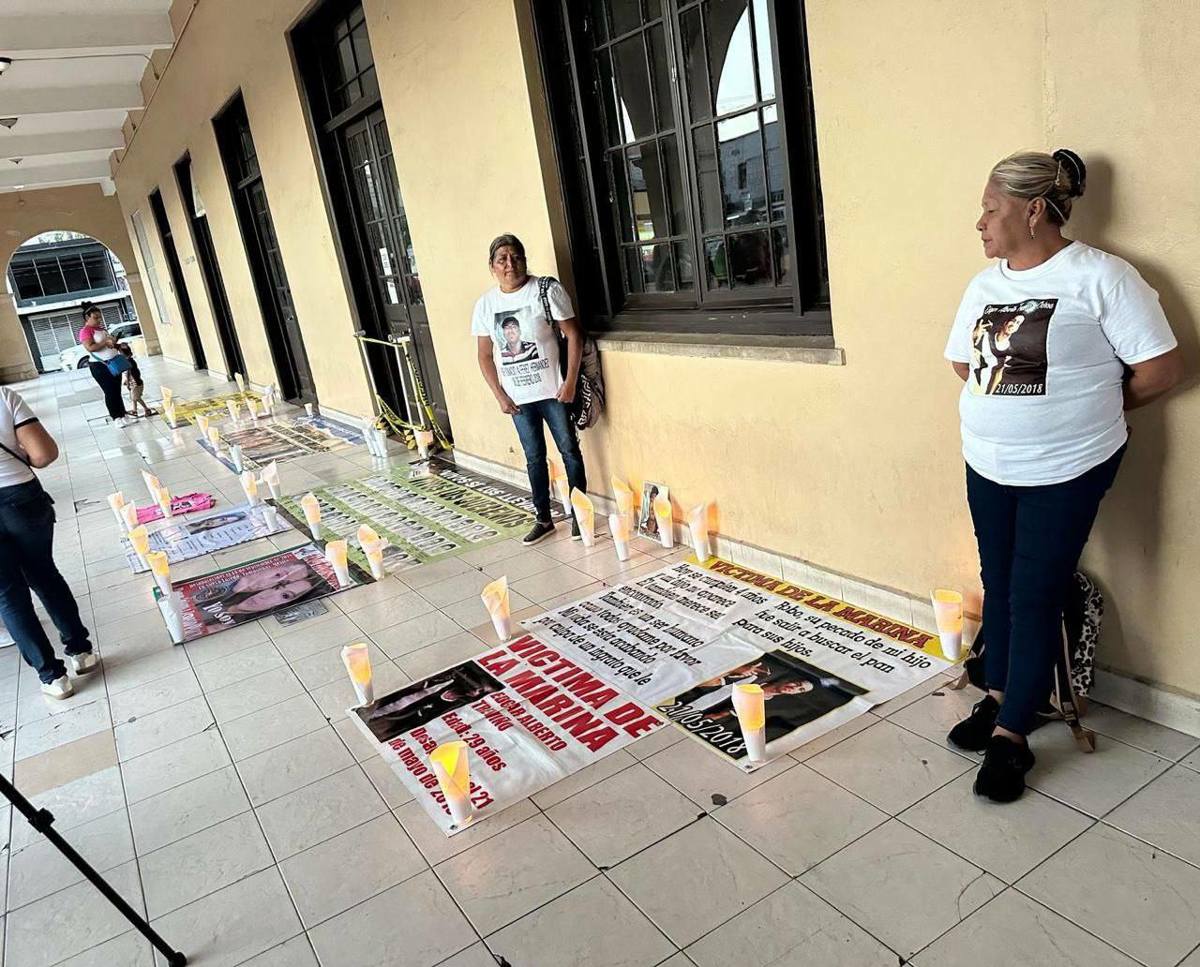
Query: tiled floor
x,y
220,790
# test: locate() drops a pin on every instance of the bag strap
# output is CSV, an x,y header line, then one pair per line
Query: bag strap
x,y
15,455
544,283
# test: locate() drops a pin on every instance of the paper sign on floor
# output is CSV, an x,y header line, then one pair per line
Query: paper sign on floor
x,y
529,716
204,535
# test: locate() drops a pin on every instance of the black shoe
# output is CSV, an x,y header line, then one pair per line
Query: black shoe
x,y
539,532
973,732
1001,778
575,535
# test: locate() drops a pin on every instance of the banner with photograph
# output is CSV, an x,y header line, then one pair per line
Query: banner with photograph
x,y
225,599
422,519
442,472
203,535
279,440
180,504
186,411
529,716
679,639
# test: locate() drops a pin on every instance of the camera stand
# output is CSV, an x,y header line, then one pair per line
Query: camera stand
x,y
43,821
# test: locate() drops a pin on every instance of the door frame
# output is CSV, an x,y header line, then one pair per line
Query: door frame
x,y
340,204
166,239
210,270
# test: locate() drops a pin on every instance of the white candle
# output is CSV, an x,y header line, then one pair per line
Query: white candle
x,y
335,554
698,525
495,599
308,408
424,441
948,613
749,704
160,569
357,660
449,763
665,521
170,607
312,514
116,502
235,455
618,525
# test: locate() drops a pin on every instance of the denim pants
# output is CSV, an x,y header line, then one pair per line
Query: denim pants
x,y
110,385
1030,539
533,441
27,561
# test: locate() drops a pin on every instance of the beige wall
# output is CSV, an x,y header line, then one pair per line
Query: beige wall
x,y
855,467
82,209
253,56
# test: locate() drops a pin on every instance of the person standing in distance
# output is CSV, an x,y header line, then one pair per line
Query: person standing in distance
x,y
1055,341
518,353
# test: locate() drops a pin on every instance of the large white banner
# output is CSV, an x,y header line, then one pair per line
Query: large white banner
x,y
529,716
681,638
198,536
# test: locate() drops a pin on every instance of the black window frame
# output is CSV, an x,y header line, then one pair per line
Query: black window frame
x,y
565,32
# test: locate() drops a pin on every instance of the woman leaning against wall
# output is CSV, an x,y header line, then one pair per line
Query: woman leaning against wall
x,y
1055,340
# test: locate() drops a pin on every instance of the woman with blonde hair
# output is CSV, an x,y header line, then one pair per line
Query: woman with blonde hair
x,y
1079,338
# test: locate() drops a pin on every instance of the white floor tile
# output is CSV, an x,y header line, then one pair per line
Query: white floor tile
x,y
254,694
707,780
318,811
146,733
436,847
40,869
408,636
1165,814
187,808
294,764
1092,782
268,727
172,765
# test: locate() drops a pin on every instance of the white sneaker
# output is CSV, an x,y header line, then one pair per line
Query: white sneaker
x,y
59,688
89,661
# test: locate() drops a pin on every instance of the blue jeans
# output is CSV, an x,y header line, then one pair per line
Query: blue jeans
x,y
27,561
533,441
1030,539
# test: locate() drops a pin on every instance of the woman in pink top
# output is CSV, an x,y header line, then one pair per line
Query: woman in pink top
x,y
101,347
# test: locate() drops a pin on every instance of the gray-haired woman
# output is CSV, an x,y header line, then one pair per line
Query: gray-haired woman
x,y
1054,342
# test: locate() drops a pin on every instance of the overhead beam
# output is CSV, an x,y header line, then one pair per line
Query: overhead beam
x,y
60,142
40,176
57,35
17,102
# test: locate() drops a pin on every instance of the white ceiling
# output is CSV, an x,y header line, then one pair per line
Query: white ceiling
x,y
77,66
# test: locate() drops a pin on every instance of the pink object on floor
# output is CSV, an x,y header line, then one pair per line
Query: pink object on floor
x,y
183,504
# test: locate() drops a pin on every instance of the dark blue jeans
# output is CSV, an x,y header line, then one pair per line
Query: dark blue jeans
x,y
533,441
27,561
1030,539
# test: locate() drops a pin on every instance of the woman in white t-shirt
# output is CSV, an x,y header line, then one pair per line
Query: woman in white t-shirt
x,y
514,324
1054,342
27,562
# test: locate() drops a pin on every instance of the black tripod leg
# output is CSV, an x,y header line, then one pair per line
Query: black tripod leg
x,y
43,821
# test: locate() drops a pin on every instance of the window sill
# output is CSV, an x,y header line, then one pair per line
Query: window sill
x,y
817,350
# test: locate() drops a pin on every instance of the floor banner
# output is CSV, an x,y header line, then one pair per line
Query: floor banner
x,y
529,716
224,599
681,638
180,504
203,535
444,513
280,440
186,411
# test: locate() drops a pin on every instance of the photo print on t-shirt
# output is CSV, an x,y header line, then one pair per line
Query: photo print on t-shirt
x,y
511,329
1008,349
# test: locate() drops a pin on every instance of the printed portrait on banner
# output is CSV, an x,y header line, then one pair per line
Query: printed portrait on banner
x,y
647,523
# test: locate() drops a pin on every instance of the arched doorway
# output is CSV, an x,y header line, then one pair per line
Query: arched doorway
x,y
49,277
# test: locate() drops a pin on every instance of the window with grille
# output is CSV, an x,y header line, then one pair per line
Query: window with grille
x,y
688,159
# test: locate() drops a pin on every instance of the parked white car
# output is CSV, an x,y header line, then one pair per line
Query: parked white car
x,y
77,357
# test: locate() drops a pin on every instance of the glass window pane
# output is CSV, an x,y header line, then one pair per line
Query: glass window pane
x,y
776,172
653,10
695,73
742,175
714,263
613,115
750,259
362,47
345,60
620,195
656,268
683,265
626,15
731,59
73,272
677,202
369,82
709,182
633,84
634,278
762,40
646,187
599,22
783,257
661,67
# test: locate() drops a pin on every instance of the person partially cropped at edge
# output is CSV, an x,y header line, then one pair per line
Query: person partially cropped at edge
x,y
27,537
1054,342
518,354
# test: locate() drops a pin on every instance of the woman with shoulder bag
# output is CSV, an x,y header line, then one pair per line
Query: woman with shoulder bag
x,y
105,362
27,535
1054,342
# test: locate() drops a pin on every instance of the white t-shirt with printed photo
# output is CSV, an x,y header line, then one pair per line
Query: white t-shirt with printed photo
x,y
1046,349
524,345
